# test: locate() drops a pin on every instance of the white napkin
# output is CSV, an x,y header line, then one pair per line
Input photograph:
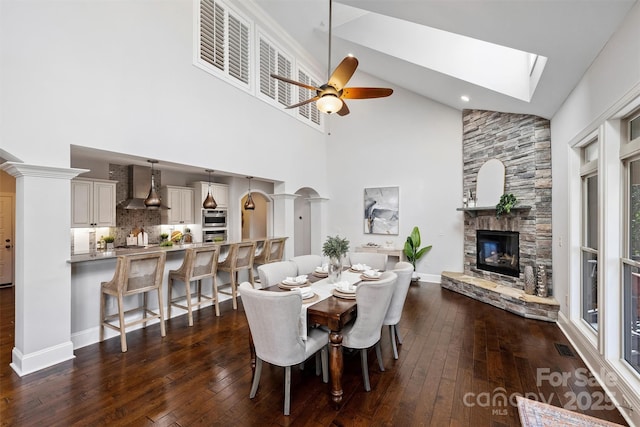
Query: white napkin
x,y
345,286
323,268
360,267
372,274
296,280
306,292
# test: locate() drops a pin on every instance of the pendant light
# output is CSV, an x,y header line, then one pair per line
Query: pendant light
x,y
152,200
249,205
209,201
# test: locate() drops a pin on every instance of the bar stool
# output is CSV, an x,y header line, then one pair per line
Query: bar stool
x,y
135,274
276,249
198,264
240,258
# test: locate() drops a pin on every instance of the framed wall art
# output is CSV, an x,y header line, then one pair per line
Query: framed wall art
x,y
381,210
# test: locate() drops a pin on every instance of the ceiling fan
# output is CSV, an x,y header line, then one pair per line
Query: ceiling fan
x,y
331,95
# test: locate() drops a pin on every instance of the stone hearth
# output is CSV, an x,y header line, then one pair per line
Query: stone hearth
x,y
504,297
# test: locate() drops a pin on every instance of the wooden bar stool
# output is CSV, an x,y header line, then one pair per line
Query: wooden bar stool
x,y
135,274
276,249
198,264
240,258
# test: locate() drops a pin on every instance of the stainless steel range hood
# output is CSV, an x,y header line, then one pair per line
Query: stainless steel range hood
x,y
139,185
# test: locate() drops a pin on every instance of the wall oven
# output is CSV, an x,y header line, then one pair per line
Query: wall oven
x,y
214,235
214,218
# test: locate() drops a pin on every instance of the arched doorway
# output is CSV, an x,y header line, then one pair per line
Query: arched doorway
x,y
255,223
303,221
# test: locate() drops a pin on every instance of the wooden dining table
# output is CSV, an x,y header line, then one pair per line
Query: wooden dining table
x,y
334,313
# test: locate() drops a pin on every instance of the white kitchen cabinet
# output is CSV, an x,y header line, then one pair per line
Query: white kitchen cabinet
x,y
93,203
220,193
180,200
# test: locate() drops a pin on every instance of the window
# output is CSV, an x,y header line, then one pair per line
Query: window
x,y
308,111
589,246
631,265
273,61
224,46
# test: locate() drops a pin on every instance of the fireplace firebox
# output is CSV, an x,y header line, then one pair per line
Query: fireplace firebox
x,y
498,251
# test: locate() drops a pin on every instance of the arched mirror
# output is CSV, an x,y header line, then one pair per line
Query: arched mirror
x,y
490,184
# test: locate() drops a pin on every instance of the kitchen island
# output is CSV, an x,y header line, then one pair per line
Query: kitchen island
x,y
89,270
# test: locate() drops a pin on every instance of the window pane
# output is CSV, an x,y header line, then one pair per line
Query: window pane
x,y
634,210
632,316
590,288
591,212
634,128
590,152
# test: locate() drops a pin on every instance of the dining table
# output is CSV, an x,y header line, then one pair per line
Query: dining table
x,y
326,309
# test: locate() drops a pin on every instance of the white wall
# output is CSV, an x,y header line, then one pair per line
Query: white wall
x,y
406,141
611,84
133,89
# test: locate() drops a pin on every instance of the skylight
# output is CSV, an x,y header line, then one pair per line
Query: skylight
x,y
502,69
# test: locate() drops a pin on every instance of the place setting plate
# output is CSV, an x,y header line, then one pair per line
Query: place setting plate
x,y
350,294
288,285
359,268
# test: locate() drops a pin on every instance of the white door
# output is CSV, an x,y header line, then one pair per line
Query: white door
x,y
6,236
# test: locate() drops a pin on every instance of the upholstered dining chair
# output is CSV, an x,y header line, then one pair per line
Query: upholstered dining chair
x,y
199,263
307,263
372,299
404,270
134,274
240,258
373,259
273,319
274,272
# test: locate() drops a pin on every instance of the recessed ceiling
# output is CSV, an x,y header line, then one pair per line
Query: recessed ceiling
x,y
438,49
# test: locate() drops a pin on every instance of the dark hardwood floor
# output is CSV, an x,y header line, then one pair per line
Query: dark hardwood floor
x,y
459,356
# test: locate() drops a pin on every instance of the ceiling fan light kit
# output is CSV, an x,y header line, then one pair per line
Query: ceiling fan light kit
x,y
330,96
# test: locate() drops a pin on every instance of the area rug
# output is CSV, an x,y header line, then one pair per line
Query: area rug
x,y
537,414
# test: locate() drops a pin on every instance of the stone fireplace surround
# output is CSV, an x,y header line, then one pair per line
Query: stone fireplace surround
x,y
523,144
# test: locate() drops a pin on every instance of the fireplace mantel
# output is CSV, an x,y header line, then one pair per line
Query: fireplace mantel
x,y
474,211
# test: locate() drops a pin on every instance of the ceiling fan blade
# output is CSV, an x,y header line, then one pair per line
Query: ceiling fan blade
x,y
365,92
299,104
344,110
343,72
293,82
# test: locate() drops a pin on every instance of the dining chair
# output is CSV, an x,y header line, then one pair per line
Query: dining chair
x,y
273,319
373,259
403,270
134,274
240,258
274,272
199,263
372,300
307,263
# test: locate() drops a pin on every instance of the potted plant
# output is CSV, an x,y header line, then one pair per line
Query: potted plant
x,y
335,248
109,241
506,203
413,251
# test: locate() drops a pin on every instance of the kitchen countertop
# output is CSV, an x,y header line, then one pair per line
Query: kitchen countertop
x,y
99,255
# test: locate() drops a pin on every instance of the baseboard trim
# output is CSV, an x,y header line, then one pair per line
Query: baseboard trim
x,y
24,364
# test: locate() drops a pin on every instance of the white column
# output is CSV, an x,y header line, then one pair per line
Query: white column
x,y
318,223
42,273
284,220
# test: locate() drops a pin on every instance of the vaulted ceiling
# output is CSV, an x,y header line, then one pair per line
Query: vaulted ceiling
x,y
413,44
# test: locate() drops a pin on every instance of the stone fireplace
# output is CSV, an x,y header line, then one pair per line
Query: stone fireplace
x,y
523,144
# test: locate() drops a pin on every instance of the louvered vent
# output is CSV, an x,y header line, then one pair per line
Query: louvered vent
x,y
212,33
